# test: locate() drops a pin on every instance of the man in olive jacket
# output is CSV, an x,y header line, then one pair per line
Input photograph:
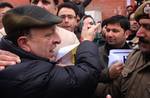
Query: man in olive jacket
x,y
117,31
31,35
134,81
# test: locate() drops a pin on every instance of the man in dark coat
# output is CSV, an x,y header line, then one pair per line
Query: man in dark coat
x,y
31,35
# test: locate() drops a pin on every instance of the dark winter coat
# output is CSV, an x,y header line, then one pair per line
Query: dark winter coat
x,y
36,77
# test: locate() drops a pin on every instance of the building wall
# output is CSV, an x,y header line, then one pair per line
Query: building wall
x,y
107,7
16,2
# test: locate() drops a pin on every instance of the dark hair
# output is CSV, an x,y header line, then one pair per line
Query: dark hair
x,y
104,22
55,1
16,34
81,22
122,20
78,28
68,5
130,15
129,6
5,4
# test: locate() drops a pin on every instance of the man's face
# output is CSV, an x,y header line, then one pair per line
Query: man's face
x,y
2,12
134,26
49,5
115,35
42,42
69,19
144,35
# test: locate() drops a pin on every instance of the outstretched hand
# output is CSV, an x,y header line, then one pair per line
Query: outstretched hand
x,y
115,69
108,96
89,33
8,58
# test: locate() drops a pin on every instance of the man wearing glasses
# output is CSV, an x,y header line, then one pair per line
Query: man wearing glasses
x,y
69,13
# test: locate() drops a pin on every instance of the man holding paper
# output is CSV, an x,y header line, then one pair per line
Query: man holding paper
x,y
117,28
134,82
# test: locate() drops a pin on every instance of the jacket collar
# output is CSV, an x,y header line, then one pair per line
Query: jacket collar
x,y
9,46
109,47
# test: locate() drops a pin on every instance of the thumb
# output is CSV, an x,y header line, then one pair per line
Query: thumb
x,y
108,96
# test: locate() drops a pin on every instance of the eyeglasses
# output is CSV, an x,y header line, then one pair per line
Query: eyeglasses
x,y
43,1
113,30
70,17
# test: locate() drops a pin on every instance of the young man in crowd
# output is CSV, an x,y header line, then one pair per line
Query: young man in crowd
x,y
69,13
117,31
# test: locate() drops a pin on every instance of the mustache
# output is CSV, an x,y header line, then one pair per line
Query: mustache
x,y
141,39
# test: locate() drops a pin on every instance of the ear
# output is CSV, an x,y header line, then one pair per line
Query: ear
x,y
55,10
127,33
23,43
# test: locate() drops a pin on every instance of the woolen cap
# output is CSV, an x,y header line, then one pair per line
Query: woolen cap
x,y
26,17
143,11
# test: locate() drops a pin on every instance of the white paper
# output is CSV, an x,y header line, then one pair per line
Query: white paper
x,y
69,41
65,50
118,55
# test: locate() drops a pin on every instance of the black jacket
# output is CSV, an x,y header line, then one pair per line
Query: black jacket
x,y
36,77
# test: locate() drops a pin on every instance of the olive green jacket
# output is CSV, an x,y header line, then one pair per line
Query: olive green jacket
x,y
134,81
104,58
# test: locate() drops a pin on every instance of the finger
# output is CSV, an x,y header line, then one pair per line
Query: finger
x,y
108,96
94,28
119,69
97,25
5,63
9,58
2,52
84,27
2,67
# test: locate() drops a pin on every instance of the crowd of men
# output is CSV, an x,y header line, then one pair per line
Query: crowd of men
x,y
32,34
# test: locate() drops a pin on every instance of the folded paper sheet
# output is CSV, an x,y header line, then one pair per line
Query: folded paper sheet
x,y
65,50
118,55
69,42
